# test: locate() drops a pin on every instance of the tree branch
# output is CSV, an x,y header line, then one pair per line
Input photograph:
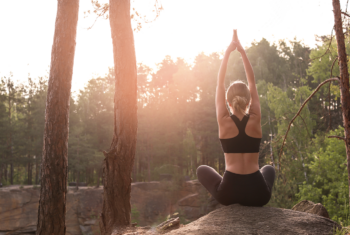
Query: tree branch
x,y
305,125
296,115
329,45
345,14
338,137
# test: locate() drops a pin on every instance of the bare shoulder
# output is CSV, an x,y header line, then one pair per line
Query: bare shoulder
x,y
226,127
225,121
255,112
253,128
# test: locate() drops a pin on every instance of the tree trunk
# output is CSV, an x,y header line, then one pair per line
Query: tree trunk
x,y
5,171
98,172
29,181
52,204
77,176
11,171
119,160
344,79
10,132
36,170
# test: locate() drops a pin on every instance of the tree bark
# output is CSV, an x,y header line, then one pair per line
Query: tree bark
x,y
36,171
10,92
29,181
344,80
119,160
52,204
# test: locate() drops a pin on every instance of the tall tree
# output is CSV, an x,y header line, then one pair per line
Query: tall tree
x,y
344,79
119,160
11,91
52,204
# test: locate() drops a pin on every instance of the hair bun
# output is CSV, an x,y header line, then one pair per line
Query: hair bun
x,y
239,103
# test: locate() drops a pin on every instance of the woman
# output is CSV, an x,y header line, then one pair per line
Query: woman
x,y
240,136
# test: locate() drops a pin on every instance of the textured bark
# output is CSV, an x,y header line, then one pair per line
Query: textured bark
x,y
119,160
52,204
344,79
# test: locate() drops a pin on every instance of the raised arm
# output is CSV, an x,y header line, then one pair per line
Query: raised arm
x,y
220,102
255,103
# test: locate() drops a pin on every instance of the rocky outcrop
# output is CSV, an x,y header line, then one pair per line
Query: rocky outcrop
x,y
151,203
236,219
154,201
19,210
311,207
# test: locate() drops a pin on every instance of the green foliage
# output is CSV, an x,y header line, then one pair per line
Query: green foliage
x,y
342,231
294,159
328,183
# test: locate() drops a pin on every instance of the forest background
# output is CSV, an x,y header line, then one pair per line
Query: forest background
x,y
177,128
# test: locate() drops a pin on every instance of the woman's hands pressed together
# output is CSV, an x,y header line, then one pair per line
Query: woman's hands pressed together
x,y
235,45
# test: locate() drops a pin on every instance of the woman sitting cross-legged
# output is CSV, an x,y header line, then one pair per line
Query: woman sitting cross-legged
x,y
240,136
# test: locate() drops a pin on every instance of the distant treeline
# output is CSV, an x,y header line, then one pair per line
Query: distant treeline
x,y
177,128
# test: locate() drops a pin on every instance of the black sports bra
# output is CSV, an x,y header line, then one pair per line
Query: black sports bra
x,y
242,143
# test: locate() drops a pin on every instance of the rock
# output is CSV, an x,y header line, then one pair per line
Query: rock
x,y
196,205
153,185
151,202
18,210
155,200
191,213
170,224
192,200
90,222
79,184
311,207
167,177
237,219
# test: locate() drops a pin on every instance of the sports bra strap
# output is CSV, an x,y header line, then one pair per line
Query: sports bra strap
x,y
240,124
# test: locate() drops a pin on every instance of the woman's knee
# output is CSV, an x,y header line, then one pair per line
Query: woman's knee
x,y
201,170
268,169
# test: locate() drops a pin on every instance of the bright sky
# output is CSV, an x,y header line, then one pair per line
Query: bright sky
x,y
184,29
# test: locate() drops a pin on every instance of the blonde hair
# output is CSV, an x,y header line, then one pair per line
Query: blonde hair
x,y
238,95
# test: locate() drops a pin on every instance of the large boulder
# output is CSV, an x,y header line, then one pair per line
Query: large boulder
x,y
311,207
237,219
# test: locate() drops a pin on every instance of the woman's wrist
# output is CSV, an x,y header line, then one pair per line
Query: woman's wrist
x,y
242,52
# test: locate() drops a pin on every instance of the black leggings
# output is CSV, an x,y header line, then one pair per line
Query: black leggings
x,y
248,190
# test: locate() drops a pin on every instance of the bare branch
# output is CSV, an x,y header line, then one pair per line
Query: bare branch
x,y
336,58
302,106
100,10
338,137
345,14
98,16
305,126
329,45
